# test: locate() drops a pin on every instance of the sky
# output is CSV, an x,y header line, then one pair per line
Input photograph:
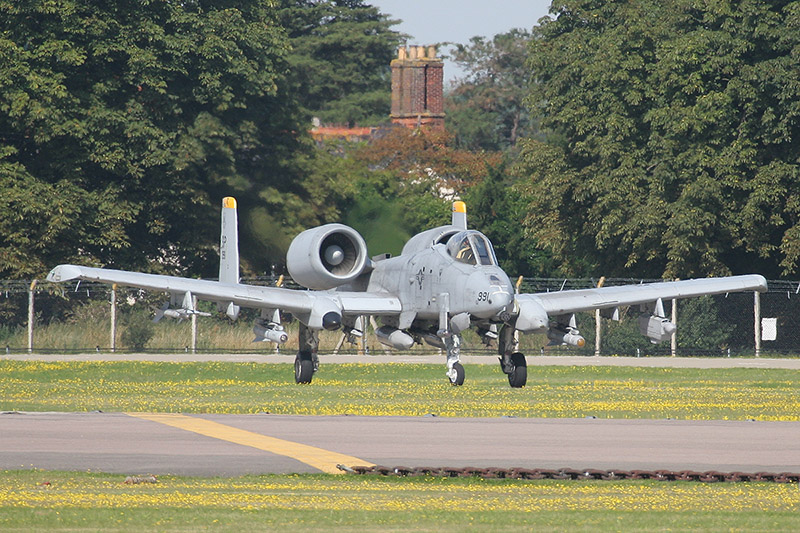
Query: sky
x,y
436,21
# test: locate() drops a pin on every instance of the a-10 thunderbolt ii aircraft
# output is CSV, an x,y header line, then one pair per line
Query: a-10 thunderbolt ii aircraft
x,y
445,280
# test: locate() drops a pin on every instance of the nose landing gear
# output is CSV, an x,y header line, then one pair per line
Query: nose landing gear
x,y
455,372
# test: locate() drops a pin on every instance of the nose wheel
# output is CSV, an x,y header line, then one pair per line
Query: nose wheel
x,y
456,375
455,372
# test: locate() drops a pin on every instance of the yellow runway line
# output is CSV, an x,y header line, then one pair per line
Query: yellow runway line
x,y
320,459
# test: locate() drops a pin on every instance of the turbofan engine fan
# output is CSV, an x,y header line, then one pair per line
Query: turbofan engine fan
x,y
326,256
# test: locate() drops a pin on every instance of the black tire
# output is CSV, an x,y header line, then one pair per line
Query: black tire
x,y
459,375
303,368
519,376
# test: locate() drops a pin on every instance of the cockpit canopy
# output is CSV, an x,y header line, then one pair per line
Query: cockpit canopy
x,y
471,247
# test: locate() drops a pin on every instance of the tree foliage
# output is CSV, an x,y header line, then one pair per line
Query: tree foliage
x,y
673,137
485,108
429,171
496,209
341,50
401,182
122,125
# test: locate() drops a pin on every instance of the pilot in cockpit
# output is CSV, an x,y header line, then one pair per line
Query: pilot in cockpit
x,y
472,248
465,254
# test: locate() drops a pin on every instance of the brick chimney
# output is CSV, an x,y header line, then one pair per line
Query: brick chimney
x,y
417,87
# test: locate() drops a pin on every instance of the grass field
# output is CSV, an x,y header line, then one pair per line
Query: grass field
x,y
400,389
36,500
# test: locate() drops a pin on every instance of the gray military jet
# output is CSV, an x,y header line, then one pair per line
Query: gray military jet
x,y
445,281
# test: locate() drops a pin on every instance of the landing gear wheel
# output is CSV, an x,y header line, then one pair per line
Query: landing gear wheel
x,y
303,368
456,375
518,377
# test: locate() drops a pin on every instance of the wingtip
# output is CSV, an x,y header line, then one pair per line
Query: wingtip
x,y
64,273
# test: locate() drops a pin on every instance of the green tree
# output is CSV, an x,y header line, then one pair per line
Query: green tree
x,y
428,172
123,124
485,108
396,185
495,208
673,137
701,326
341,50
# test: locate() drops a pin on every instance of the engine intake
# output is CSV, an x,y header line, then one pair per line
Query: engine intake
x,y
326,256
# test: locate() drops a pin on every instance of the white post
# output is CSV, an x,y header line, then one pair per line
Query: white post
x,y
362,350
516,291
757,321
277,316
194,325
114,318
31,316
598,329
674,337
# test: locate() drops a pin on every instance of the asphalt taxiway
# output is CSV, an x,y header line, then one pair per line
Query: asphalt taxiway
x,y
225,445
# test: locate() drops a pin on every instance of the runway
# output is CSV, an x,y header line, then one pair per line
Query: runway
x,y
228,445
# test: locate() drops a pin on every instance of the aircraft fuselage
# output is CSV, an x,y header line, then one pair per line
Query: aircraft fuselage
x,y
419,280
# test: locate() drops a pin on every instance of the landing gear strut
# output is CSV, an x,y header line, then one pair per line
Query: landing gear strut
x,y
307,362
511,361
455,372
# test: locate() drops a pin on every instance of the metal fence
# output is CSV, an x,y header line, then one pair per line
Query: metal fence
x,y
81,316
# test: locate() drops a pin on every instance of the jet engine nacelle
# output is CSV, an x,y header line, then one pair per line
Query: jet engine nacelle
x,y
656,328
326,256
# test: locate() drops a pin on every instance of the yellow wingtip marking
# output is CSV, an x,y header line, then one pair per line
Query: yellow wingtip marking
x,y
229,202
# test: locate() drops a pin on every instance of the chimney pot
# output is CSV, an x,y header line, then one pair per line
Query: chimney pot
x,y
417,86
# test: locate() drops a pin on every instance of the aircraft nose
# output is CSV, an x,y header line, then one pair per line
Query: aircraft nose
x,y
492,291
500,292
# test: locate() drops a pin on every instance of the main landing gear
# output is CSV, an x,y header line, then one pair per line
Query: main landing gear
x,y
307,361
512,362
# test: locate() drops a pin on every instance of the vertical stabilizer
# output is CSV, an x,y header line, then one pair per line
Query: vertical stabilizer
x,y
460,214
229,243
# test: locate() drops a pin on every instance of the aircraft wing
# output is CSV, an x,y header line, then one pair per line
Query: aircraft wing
x,y
309,306
573,301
